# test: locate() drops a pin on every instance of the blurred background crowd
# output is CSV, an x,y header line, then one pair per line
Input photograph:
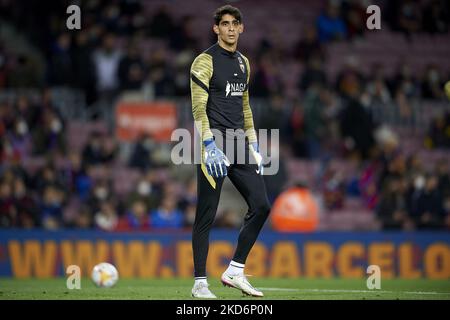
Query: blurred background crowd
x,y
363,117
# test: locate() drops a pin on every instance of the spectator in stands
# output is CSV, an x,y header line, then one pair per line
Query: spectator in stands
x,y
102,191
77,176
160,74
409,17
8,212
83,65
371,195
333,186
436,16
330,24
145,192
49,136
447,217
136,218
414,167
25,73
14,170
393,167
30,113
313,74
314,105
134,15
406,88
276,115
7,117
161,23
189,195
26,207
110,18
131,69
351,70
297,129
167,215
429,210
367,185
3,71
189,215
106,218
443,174
106,61
354,13
51,208
309,46
356,123
376,90
20,138
439,132
84,219
97,151
432,83
266,79
392,207
404,82
47,176
141,155
61,64
183,37
182,66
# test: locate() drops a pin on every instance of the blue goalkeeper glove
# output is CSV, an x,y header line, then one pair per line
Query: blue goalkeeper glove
x,y
216,161
254,149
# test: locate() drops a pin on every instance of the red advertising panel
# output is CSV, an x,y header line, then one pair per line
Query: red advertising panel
x,y
133,119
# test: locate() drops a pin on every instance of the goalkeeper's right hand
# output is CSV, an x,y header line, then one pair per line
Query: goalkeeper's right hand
x,y
216,161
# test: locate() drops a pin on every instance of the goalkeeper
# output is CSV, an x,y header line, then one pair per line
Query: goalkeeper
x,y
220,100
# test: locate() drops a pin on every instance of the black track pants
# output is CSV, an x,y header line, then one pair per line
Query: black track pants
x,y
251,186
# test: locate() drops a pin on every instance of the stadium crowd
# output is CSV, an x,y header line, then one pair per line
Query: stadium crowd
x,y
326,118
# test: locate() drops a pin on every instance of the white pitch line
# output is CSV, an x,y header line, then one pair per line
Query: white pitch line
x,y
426,292
351,291
279,289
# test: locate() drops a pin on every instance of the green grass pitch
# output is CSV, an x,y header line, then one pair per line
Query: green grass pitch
x,y
179,289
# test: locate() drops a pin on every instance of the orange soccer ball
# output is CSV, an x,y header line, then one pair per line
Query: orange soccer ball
x,y
295,210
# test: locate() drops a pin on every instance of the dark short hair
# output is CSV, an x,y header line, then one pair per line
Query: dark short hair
x,y
227,9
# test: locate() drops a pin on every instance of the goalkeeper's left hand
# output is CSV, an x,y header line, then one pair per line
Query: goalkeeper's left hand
x,y
254,149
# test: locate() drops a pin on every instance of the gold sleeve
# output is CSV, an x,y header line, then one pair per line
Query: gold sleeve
x,y
249,127
201,73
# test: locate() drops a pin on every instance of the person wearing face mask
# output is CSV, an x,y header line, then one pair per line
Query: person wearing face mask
x,y
99,193
145,192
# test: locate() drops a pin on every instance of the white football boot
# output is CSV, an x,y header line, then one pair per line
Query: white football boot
x,y
240,282
201,290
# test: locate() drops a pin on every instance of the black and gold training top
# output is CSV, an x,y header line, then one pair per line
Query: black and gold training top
x,y
219,90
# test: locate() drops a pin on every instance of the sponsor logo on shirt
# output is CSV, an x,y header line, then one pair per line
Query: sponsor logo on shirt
x,y
234,89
